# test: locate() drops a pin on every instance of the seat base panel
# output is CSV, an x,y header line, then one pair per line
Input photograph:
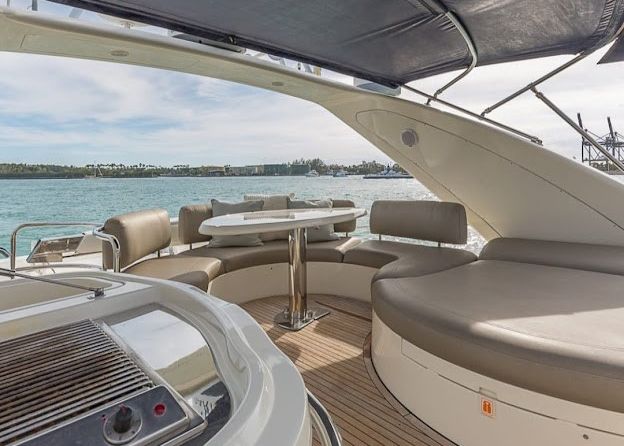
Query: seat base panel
x,y
451,401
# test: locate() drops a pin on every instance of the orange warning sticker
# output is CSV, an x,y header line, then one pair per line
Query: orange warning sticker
x,y
487,407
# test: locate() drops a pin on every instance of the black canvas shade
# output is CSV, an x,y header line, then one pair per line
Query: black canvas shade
x,y
387,41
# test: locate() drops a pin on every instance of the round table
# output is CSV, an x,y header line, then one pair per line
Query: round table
x,y
297,315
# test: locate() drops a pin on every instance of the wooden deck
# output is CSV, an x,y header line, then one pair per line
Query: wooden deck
x,y
332,355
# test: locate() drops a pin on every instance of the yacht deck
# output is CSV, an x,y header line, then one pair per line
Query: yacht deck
x,y
333,357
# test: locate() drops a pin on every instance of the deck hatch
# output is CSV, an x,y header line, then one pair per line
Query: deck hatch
x,y
55,375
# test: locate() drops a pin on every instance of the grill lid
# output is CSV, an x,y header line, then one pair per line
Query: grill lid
x,y
55,375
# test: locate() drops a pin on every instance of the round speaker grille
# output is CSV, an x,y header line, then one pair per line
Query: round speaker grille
x,y
409,137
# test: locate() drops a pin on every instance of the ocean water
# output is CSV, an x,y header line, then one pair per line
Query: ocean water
x,y
95,200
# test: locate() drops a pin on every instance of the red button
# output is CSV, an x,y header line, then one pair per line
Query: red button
x,y
160,409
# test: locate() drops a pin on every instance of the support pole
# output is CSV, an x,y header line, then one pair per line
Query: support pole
x,y
578,128
298,315
297,275
536,83
472,49
531,138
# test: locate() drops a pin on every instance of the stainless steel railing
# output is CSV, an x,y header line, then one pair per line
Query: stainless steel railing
x,y
97,231
97,291
21,227
115,246
323,424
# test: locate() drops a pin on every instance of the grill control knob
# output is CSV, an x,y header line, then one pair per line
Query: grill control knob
x,y
123,419
123,425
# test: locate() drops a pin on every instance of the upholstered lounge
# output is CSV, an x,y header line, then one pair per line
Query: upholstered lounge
x,y
439,222
143,233
544,316
540,315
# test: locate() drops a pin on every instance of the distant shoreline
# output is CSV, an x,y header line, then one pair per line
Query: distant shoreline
x,y
158,177
299,168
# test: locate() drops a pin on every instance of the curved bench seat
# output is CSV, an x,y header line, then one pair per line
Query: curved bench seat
x,y
399,259
235,258
552,330
192,270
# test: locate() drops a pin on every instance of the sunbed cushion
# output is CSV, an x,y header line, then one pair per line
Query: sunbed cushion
x,y
552,330
398,259
193,270
599,258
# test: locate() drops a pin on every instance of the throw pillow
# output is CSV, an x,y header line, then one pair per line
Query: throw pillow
x,y
223,208
324,233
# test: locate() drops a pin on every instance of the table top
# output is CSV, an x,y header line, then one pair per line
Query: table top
x,y
280,220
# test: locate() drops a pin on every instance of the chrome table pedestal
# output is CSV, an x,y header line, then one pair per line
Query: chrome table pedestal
x,y
298,315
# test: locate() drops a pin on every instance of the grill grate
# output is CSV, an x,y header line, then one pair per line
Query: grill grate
x,y
55,375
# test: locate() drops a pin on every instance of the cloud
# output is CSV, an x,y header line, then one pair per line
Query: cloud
x,y
75,111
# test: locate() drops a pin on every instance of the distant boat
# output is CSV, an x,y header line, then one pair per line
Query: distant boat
x,y
97,173
340,173
387,174
312,174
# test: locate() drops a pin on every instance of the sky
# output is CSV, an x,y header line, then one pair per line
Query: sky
x,y
65,111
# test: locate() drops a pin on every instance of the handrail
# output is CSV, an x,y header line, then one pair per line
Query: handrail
x,y
54,266
531,138
38,225
97,291
5,252
325,427
115,247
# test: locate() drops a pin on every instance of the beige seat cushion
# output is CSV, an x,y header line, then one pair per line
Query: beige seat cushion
x,y
331,251
139,234
238,257
436,221
235,258
189,269
398,259
599,258
552,330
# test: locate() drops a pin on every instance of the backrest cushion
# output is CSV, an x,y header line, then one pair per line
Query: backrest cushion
x,y
139,234
322,233
222,208
435,221
190,218
347,226
588,257
271,203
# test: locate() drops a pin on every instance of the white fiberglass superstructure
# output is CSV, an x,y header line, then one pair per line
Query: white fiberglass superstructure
x,y
553,226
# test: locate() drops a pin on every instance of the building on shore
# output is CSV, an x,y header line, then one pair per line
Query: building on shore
x,y
239,171
276,169
268,170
